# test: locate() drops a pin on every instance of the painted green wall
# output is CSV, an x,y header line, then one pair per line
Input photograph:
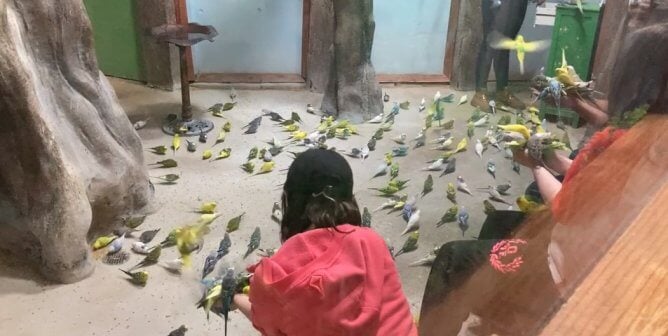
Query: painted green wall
x,y
116,37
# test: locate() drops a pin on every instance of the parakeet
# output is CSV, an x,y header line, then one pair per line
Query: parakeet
x,y
413,223
169,163
266,167
366,218
310,109
427,260
435,166
216,109
519,45
209,263
400,139
159,150
233,224
410,245
103,241
140,248
169,178
371,144
461,146
248,167
212,295
495,195
208,207
394,170
147,236
176,142
140,124
462,186
450,167
400,151
428,121
192,147
463,100
470,130
405,105
450,124
252,127
174,266
463,220
224,154
295,117
233,93
229,106
449,216
504,120
451,193
254,241
180,331
221,137
527,205
381,170
378,135
488,207
229,285
116,245
492,106
273,116
202,137
521,129
420,139
422,106
387,191
516,167
137,278
491,168
478,148
503,188
252,154
150,259
377,119
224,246
445,145
428,185
134,221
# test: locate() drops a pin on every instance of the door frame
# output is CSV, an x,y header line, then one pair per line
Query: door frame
x,y
182,18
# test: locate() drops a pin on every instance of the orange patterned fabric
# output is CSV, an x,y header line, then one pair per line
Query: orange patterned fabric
x,y
598,143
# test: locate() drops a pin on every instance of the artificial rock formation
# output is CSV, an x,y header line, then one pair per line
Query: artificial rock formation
x,y
72,162
352,91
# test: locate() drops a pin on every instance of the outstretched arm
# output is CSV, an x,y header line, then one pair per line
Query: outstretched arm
x,y
548,185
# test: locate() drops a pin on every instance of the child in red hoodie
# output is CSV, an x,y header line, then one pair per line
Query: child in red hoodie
x,y
331,276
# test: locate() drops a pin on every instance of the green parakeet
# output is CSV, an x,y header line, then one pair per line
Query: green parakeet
x,y
233,223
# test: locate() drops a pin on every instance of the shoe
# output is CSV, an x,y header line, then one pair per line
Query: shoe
x,y
505,97
480,100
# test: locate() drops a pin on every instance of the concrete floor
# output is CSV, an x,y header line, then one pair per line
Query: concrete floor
x,y
105,304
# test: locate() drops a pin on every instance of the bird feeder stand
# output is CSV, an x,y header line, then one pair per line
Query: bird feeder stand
x,y
184,36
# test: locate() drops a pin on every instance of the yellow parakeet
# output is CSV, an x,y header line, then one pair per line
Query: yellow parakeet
x,y
176,142
298,135
266,167
103,242
516,128
212,295
224,154
291,128
208,207
461,146
207,154
519,45
526,205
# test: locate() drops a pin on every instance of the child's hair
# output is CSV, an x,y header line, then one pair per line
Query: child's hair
x,y
318,193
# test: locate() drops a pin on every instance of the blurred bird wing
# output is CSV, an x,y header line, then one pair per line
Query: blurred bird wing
x,y
535,46
498,41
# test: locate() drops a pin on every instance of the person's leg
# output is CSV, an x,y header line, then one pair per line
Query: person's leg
x,y
509,21
484,60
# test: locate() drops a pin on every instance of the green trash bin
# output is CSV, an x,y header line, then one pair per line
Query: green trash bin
x,y
576,34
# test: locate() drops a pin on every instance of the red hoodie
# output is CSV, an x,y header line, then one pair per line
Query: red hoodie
x,y
324,282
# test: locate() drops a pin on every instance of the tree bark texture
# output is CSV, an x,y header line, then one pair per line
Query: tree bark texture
x,y
352,91
72,162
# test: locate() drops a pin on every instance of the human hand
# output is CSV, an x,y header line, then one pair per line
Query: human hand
x,y
521,156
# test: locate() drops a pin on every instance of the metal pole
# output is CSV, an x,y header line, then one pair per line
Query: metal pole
x,y
186,109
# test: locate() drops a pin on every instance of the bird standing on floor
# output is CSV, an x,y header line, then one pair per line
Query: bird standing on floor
x,y
463,220
478,148
462,186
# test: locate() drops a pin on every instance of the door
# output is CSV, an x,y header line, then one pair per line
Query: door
x,y
410,37
257,39
116,37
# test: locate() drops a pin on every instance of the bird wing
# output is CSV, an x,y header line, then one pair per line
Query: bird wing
x,y
498,41
535,46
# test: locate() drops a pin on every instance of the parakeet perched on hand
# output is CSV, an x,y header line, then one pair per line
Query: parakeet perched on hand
x,y
229,286
254,241
138,278
410,245
498,41
449,216
233,223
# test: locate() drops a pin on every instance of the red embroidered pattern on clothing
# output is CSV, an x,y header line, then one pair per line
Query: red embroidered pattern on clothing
x,y
502,252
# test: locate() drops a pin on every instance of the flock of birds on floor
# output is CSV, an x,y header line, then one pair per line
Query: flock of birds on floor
x,y
219,290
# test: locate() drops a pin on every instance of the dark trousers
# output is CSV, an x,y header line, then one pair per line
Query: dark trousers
x,y
506,19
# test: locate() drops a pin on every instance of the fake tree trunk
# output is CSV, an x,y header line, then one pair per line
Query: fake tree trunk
x,y
352,91
72,163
